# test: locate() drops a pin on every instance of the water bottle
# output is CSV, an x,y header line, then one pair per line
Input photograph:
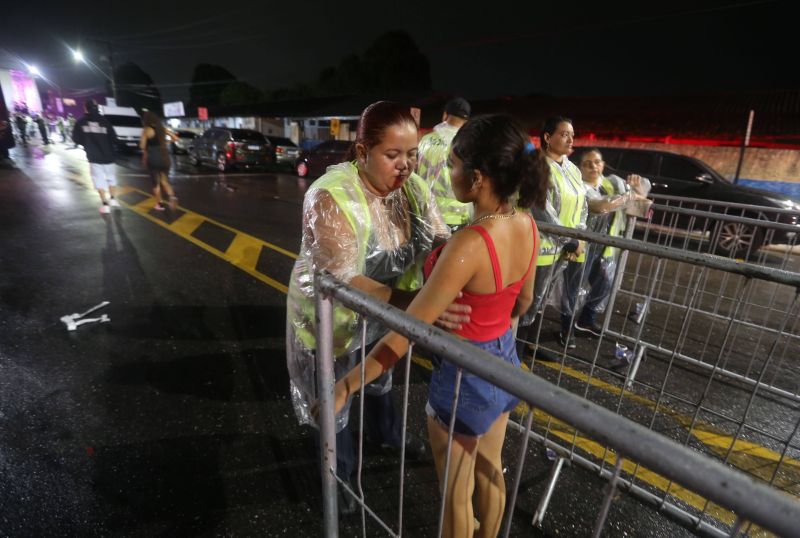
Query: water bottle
x,y
622,353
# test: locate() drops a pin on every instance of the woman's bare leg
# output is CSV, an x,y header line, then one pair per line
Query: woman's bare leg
x,y
459,521
164,182
490,485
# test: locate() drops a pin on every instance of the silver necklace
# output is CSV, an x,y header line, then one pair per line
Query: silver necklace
x,y
495,216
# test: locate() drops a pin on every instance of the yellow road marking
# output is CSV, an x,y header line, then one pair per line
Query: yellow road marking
x,y
745,455
187,223
243,253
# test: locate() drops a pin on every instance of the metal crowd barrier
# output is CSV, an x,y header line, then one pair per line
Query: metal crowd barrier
x,y
631,450
710,361
732,230
672,289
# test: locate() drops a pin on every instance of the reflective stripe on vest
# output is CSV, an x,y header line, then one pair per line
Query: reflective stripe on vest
x,y
617,220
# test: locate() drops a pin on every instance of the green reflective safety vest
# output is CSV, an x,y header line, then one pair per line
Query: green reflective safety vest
x,y
434,149
617,220
568,198
345,187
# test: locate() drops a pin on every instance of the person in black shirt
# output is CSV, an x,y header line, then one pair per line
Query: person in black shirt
x,y
96,134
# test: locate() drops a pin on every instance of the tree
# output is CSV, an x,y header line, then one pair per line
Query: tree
x,y
393,62
135,88
345,79
208,83
240,93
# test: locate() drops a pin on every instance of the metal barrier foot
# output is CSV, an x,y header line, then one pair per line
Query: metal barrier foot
x,y
538,516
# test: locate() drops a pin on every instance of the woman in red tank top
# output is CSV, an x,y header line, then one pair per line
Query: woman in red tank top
x,y
492,264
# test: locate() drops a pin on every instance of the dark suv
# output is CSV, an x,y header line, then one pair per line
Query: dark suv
x,y
679,175
232,148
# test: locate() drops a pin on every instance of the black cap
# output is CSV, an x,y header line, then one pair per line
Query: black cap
x,y
458,107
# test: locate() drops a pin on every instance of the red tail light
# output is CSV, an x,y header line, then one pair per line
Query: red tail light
x,y
230,150
279,150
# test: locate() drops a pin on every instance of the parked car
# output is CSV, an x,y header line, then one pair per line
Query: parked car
x,y
312,163
286,151
688,177
228,148
184,142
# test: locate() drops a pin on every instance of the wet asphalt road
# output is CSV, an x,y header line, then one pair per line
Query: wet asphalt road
x,y
174,418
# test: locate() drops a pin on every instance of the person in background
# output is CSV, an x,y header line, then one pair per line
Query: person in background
x,y
71,126
367,221
43,129
22,127
155,157
490,265
61,129
98,138
565,206
434,149
608,197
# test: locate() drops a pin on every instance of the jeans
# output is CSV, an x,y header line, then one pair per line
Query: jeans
x,y
479,402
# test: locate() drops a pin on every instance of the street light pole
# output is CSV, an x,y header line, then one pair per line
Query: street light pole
x,y
113,74
110,53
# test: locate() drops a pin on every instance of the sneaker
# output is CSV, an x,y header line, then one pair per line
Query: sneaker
x,y
562,341
104,209
159,207
347,503
113,202
587,329
416,448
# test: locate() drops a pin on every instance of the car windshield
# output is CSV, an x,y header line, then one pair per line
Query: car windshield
x,y
247,135
124,121
280,141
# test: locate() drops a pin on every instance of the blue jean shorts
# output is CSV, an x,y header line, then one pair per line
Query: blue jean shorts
x,y
479,402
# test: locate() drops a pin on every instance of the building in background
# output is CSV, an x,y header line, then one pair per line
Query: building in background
x,y
20,91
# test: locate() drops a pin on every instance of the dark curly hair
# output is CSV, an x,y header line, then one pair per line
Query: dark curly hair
x,y
497,146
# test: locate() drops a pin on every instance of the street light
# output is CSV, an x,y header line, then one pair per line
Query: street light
x,y
34,71
78,56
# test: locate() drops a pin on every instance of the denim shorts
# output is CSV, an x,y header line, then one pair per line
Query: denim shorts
x,y
479,402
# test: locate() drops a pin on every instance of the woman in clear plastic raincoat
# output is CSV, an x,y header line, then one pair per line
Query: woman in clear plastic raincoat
x,y
609,198
369,222
565,206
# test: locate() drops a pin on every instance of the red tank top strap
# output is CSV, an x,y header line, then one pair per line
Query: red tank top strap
x,y
498,280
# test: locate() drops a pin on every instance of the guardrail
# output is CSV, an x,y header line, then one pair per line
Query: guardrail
x,y
749,499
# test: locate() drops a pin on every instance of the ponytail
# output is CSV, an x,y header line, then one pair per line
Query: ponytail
x,y
498,147
534,173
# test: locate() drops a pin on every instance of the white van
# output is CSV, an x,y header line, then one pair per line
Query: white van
x,y
127,124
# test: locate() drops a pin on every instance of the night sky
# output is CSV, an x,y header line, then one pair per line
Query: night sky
x,y
501,49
